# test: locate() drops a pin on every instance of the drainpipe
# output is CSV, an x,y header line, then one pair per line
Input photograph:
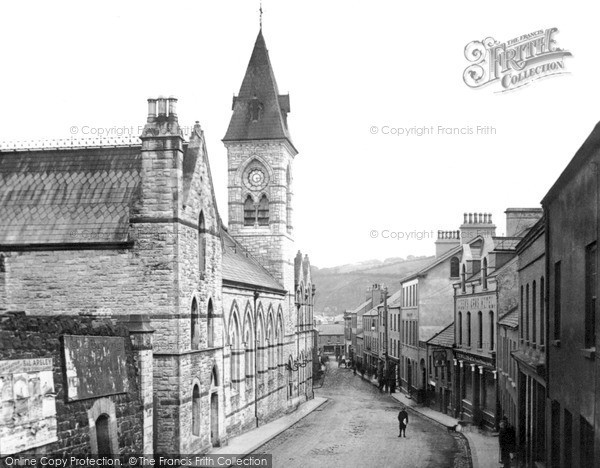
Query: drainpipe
x,y
256,296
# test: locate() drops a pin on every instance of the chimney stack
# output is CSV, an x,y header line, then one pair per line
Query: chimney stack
x,y
446,241
476,224
162,117
520,219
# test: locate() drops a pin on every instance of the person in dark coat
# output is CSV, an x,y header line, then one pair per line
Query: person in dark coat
x,y
402,421
507,440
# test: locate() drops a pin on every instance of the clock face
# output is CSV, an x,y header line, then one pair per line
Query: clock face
x,y
256,178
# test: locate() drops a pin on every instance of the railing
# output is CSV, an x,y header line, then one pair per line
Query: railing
x,y
68,143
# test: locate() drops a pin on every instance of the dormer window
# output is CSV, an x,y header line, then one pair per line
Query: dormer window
x,y
256,108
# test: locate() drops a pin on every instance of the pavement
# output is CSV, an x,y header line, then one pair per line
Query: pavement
x,y
250,441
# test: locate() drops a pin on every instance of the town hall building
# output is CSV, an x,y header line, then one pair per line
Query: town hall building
x,y
151,325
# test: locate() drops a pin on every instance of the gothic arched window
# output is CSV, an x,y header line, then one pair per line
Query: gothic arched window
x,y
249,212
263,211
196,411
201,244
211,325
195,325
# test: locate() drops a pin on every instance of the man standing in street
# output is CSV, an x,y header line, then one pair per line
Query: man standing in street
x,y
507,439
403,421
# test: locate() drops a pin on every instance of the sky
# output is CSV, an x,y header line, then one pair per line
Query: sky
x,y
355,72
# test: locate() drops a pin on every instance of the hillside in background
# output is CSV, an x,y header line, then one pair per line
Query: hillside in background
x,y
343,287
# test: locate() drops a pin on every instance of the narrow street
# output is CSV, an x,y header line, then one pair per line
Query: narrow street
x,y
358,427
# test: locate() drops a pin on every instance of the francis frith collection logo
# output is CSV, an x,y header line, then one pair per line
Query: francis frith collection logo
x,y
514,63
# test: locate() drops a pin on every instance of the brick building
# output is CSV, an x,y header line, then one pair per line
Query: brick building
x,y
487,290
373,297
426,307
371,340
530,356
331,339
135,229
571,229
439,370
506,365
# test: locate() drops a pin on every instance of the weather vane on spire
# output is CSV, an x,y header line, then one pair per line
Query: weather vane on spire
x,y
261,12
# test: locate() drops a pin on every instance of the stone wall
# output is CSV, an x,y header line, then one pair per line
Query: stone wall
x,y
34,336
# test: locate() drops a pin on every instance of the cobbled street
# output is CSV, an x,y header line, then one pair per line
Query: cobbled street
x,y
358,427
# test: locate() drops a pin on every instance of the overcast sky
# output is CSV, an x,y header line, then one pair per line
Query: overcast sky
x,y
348,66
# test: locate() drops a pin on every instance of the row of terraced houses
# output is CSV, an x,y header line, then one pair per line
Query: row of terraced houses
x,y
503,326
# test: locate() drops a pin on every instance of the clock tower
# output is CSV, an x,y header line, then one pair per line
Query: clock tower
x,y
260,154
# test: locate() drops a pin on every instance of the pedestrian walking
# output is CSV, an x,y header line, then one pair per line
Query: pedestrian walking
x,y
402,421
507,440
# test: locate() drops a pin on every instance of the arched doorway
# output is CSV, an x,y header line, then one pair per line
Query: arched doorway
x,y
214,409
103,436
196,411
214,419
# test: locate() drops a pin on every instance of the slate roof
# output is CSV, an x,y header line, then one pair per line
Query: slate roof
x,y
330,329
240,267
259,90
509,243
436,261
71,196
395,300
510,319
360,307
373,312
427,331
443,338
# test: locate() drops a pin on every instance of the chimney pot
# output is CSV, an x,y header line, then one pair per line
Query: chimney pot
x,y
465,218
162,106
470,218
151,110
172,106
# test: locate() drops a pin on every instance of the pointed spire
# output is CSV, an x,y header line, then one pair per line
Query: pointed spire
x,y
259,111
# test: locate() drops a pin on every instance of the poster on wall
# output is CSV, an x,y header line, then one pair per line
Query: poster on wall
x,y
95,366
27,405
